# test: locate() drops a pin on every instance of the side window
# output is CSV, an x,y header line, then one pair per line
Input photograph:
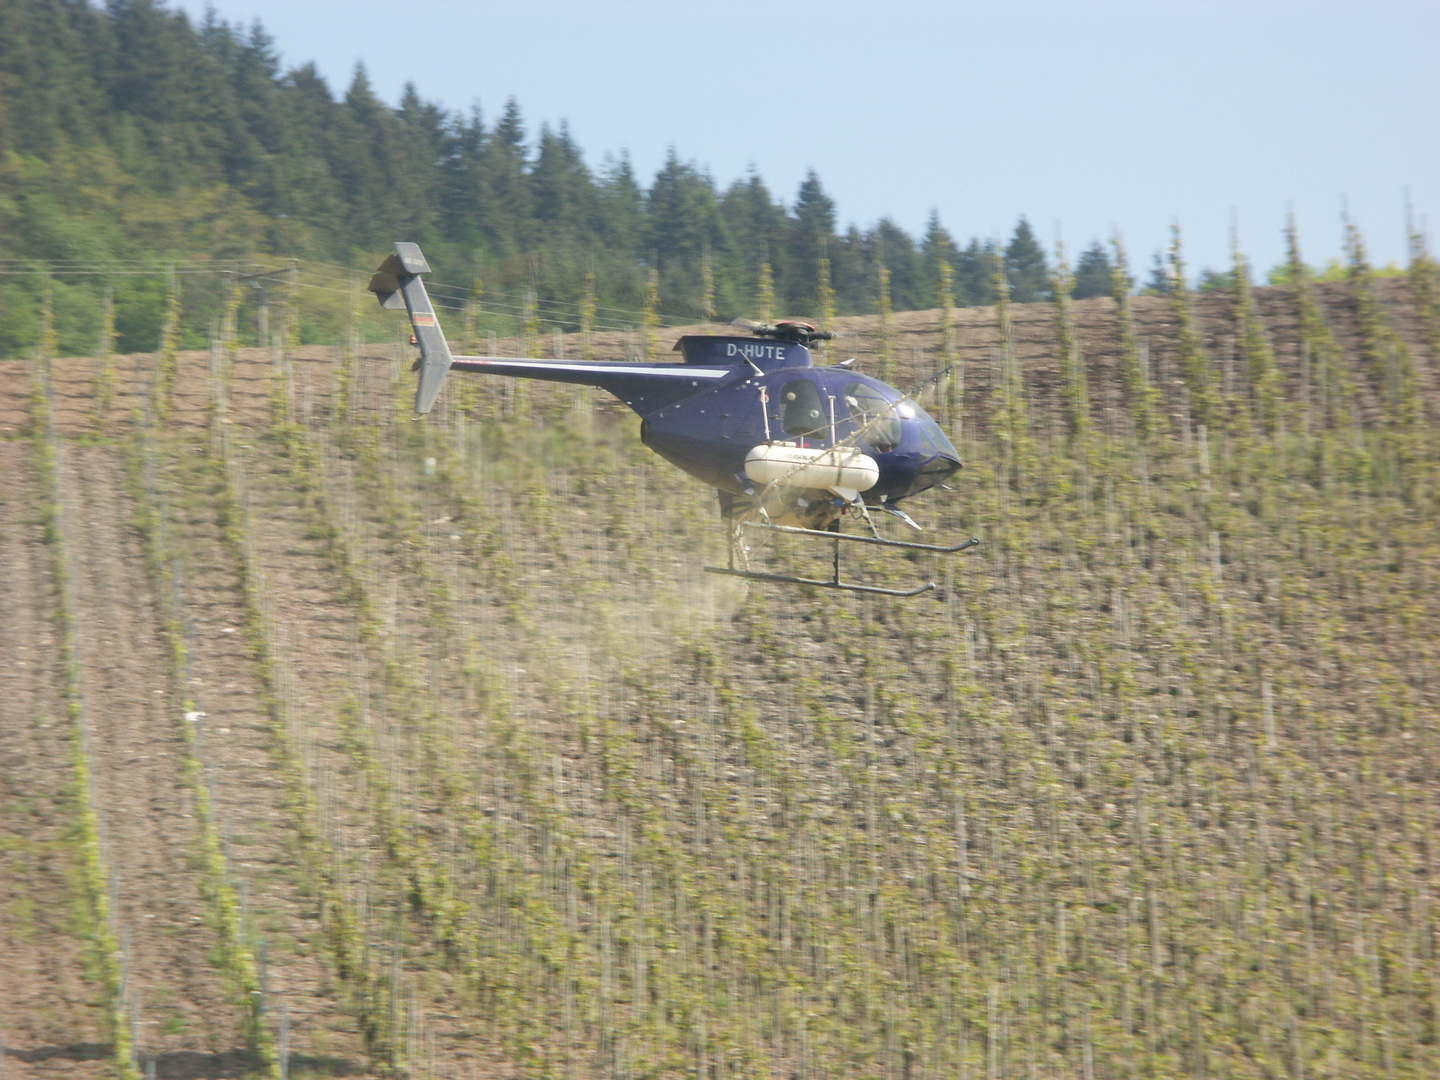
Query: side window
x,y
802,413
877,419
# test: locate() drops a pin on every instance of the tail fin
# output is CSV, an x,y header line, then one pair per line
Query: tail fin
x,y
397,283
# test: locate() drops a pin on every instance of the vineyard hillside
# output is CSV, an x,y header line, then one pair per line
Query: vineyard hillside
x,y
334,743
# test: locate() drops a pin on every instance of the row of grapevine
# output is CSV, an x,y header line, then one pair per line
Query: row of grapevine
x,y
103,933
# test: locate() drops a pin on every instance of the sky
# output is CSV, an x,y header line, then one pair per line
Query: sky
x,y
1085,117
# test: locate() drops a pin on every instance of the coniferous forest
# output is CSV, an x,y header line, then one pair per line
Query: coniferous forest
x,y
129,135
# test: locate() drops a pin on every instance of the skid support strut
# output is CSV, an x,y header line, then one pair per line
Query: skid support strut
x,y
832,534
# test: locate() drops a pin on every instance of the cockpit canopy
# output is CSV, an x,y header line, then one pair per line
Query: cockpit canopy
x,y
877,418
877,413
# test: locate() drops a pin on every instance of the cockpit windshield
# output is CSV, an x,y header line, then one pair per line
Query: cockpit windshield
x,y
878,420
933,439
938,457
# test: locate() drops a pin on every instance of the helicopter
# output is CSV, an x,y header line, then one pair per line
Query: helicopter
x,y
790,447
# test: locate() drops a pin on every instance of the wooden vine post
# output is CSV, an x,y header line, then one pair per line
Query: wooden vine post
x,y
885,350
651,316
1194,362
824,298
162,395
1261,370
105,362
1075,392
1141,392
950,361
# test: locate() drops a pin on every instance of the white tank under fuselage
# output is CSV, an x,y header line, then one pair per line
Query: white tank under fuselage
x,y
844,470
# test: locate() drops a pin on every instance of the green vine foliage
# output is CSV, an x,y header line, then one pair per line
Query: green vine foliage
x,y
884,350
103,945
236,959
345,944
1424,276
1194,361
162,397
1142,395
1331,376
1076,393
1255,347
1010,410
1384,352
954,380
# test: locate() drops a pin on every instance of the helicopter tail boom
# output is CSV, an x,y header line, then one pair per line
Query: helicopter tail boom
x,y
397,284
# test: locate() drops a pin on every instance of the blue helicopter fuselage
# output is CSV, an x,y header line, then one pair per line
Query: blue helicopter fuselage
x,y
789,447
732,394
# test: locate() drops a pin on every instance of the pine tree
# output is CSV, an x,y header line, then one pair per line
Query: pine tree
x,y
938,251
682,223
974,281
909,290
504,168
1162,278
765,292
1093,273
814,226
1025,266
707,287
758,228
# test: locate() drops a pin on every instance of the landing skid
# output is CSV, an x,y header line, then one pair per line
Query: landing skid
x,y
737,546
843,586
858,539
